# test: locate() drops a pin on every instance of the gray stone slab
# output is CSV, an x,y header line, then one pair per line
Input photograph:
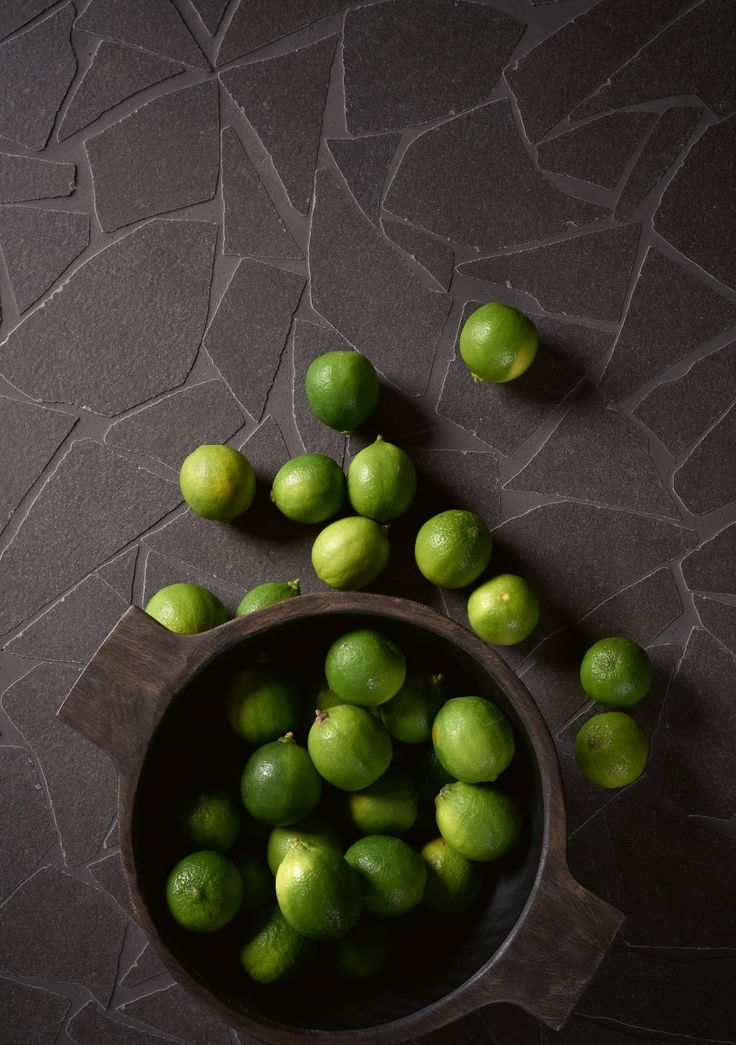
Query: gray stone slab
x,y
116,73
15,13
712,566
362,288
252,224
471,181
36,69
160,571
146,966
29,437
26,178
412,61
432,253
598,151
162,157
661,148
92,504
260,22
173,1011
587,1032
152,25
89,347
247,336
364,164
38,246
120,571
93,1024
702,481
671,313
30,1013
210,12
284,99
719,618
311,341
25,822
109,874
585,276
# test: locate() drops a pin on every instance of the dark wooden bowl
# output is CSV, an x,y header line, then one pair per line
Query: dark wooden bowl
x,y
153,701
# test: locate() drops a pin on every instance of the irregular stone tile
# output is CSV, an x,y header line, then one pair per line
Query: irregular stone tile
x,y
81,780
697,231
146,966
598,151
30,1014
15,13
505,415
364,290
583,799
25,822
396,417
311,341
508,1025
116,73
172,427
594,44
152,25
702,482
120,571
670,314
586,1032
470,1030
246,338
74,627
26,178
109,874
38,245
252,225
410,62
29,437
364,164
36,69
92,1024
712,566
661,148
432,253
585,276
260,22
284,98
89,347
92,504
173,1011
471,180
161,571
719,618
211,12
163,156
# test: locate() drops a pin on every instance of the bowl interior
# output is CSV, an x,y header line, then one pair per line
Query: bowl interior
x,y
438,952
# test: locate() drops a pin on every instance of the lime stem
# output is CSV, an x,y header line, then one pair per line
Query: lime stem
x,y
320,716
294,585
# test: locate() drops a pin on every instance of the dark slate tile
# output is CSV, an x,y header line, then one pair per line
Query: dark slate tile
x,y
152,25
81,780
588,1032
364,164
38,245
712,566
598,151
260,22
470,1030
410,62
29,436
471,180
701,481
161,571
585,276
705,176
92,1024
172,427
163,156
396,417
284,98
173,1011
505,415
109,874
36,69
120,571
363,289
116,73
583,799
15,13
30,1014
211,12
92,504
247,336
671,313
719,618
25,822
661,148
146,966
252,225
26,178
508,1025
88,347
432,253
311,341
594,44
74,628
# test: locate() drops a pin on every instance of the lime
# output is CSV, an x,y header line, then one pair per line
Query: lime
x,y
210,821
367,950
453,881
257,883
611,749
409,715
616,672
365,667
480,822
382,481
504,610
318,892
453,548
272,950
217,482
349,747
350,553
279,784
309,488
204,891
498,343
266,595
313,830
387,807
342,389
473,739
262,703
392,875
186,609
430,774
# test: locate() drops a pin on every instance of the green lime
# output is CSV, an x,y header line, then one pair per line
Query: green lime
x,y
498,343
409,715
273,950
186,609
365,667
611,749
210,821
479,821
257,883
392,875
279,784
323,699
389,806
350,553
204,891
616,672
342,389
313,830
262,703
453,548
217,482
367,950
473,739
318,892
504,610
267,595
430,774
309,488
382,481
453,881
349,747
